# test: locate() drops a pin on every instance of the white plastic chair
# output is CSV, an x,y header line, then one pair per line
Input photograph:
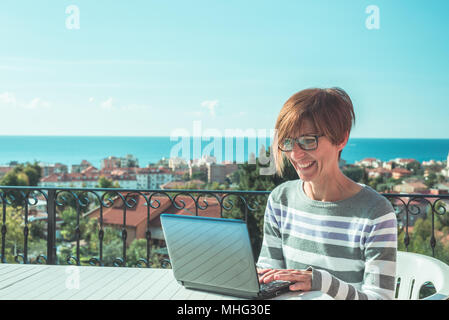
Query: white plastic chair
x,y
414,270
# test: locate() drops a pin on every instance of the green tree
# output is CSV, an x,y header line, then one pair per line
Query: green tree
x,y
138,250
375,182
111,250
441,210
104,182
420,239
200,175
384,187
112,244
249,178
431,180
14,238
355,173
23,175
77,200
415,167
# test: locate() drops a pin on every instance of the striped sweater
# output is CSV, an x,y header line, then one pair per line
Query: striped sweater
x,y
350,245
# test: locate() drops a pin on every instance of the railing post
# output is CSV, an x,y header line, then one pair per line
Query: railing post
x,y
51,227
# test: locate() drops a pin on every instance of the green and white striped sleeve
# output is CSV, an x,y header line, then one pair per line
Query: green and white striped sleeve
x,y
271,255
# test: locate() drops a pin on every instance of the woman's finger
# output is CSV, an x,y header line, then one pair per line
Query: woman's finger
x,y
300,286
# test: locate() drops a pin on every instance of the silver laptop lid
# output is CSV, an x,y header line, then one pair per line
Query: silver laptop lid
x,y
210,251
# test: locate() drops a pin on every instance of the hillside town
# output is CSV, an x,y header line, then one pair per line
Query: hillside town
x,y
125,173
406,175
398,175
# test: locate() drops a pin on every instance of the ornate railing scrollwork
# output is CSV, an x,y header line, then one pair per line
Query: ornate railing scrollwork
x,y
237,204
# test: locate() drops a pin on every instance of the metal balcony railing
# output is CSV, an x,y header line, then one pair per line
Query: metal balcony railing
x,y
246,205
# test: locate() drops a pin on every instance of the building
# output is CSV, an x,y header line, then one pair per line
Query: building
x,y
404,162
389,165
378,172
399,173
112,162
219,172
369,162
411,187
129,161
125,181
49,169
196,169
88,178
77,168
69,180
177,163
127,178
153,178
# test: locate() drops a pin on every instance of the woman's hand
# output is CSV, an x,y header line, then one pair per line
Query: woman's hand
x,y
301,279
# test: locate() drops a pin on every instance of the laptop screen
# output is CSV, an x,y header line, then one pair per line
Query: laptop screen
x,y
210,251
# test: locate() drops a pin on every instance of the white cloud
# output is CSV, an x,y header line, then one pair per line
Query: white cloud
x,y
91,99
37,103
8,99
110,104
107,104
211,105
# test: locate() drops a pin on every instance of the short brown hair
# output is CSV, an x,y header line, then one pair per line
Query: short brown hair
x,y
330,110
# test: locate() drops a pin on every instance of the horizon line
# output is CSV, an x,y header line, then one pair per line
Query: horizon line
x,y
192,136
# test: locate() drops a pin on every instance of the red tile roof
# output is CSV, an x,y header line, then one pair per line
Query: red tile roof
x,y
401,170
90,169
407,160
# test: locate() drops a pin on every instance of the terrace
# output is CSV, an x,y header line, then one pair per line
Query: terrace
x,y
133,217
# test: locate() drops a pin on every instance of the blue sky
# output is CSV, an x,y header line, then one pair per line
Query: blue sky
x,y
147,68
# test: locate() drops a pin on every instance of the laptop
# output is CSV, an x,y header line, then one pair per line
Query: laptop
x,y
215,255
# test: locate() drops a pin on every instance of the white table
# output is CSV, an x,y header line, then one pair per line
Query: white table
x,y
50,282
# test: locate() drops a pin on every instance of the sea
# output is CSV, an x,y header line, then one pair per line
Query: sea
x,y
149,150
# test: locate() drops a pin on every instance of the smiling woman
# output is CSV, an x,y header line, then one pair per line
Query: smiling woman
x,y
324,231
330,111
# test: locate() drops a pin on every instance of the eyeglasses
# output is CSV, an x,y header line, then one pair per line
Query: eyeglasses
x,y
306,142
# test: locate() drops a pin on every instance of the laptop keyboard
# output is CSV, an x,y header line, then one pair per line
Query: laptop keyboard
x,y
273,285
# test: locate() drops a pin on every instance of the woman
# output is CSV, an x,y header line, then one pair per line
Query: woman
x,y
324,231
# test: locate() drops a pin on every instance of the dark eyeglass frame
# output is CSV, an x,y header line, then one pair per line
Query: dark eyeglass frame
x,y
298,143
